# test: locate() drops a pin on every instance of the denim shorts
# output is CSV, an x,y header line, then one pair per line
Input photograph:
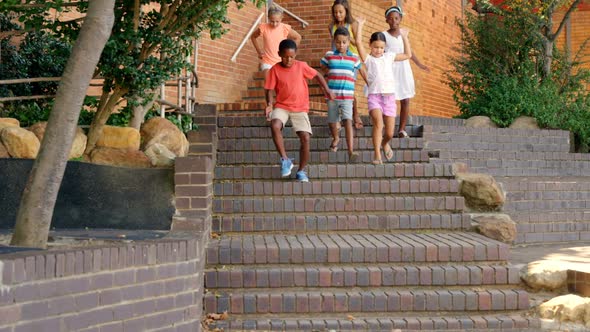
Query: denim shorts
x,y
339,110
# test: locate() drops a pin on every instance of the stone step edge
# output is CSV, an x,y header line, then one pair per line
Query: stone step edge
x,y
363,322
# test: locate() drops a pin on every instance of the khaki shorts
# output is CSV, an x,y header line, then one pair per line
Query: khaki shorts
x,y
299,120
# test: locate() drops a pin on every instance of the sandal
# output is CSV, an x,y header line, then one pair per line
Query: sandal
x,y
334,147
377,162
403,134
353,157
388,152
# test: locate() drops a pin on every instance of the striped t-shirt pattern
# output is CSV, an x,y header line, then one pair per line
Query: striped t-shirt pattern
x,y
342,73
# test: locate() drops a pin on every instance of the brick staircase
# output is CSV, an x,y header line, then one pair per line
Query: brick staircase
x,y
548,188
360,247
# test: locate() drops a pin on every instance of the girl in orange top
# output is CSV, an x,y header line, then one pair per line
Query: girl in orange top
x,y
272,34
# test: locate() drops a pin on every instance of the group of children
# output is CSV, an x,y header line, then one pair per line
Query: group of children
x,y
387,74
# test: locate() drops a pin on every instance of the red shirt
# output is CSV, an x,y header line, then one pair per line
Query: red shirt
x,y
290,85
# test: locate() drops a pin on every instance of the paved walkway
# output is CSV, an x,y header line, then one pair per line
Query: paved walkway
x,y
576,255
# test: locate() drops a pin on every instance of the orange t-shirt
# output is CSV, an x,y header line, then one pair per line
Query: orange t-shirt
x,y
272,37
290,85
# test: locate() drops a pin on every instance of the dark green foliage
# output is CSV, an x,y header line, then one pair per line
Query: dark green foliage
x,y
498,72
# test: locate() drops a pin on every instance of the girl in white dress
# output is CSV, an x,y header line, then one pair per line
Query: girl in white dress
x,y
381,99
404,78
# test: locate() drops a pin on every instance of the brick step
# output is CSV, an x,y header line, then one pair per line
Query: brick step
x,y
357,302
318,157
503,158
385,222
492,147
320,131
316,143
361,276
336,203
545,184
552,168
498,135
316,119
333,171
547,217
547,205
355,248
336,187
512,322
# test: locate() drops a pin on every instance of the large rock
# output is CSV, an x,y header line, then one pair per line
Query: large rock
x,y
480,121
78,146
19,142
162,131
524,122
120,157
160,156
119,138
496,226
9,122
572,308
481,191
3,152
548,275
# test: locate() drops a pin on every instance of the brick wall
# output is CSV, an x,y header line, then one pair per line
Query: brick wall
x,y
134,287
579,32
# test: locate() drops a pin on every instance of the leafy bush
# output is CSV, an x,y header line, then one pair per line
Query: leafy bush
x,y
498,72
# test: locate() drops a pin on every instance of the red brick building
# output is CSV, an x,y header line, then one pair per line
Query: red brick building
x,y
433,32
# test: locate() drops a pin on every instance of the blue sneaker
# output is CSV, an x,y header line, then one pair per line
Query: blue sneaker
x,y
286,167
302,176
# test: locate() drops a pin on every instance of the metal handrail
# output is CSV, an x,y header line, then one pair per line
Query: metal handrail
x,y
303,22
247,37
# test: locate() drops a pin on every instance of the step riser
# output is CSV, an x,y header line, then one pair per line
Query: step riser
x,y
367,302
319,172
355,248
321,144
363,277
302,224
353,204
334,187
272,157
319,130
503,323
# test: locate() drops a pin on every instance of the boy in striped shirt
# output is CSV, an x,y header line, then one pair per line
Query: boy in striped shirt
x,y
341,66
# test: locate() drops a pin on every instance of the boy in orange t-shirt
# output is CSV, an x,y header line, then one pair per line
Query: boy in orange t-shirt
x,y
288,79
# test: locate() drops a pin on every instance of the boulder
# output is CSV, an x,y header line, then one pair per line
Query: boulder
x,y
9,122
19,142
119,157
524,122
160,156
3,152
78,146
548,275
119,138
480,121
160,130
572,308
496,226
481,191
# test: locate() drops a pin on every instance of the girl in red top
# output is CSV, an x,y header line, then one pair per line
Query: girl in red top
x,y
272,34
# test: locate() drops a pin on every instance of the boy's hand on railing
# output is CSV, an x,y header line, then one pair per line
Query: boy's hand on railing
x,y
267,111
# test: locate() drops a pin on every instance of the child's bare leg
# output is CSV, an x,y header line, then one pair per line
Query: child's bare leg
x,y
334,131
349,135
403,115
389,122
377,135
276,127
358,123
303,149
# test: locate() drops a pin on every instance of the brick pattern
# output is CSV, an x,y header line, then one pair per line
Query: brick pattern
x,y
362,276
355,222
504,323
375,300
140,286
578,282
355,248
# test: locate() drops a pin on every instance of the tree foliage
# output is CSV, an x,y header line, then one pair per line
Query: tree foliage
x,y
149,44
499,69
